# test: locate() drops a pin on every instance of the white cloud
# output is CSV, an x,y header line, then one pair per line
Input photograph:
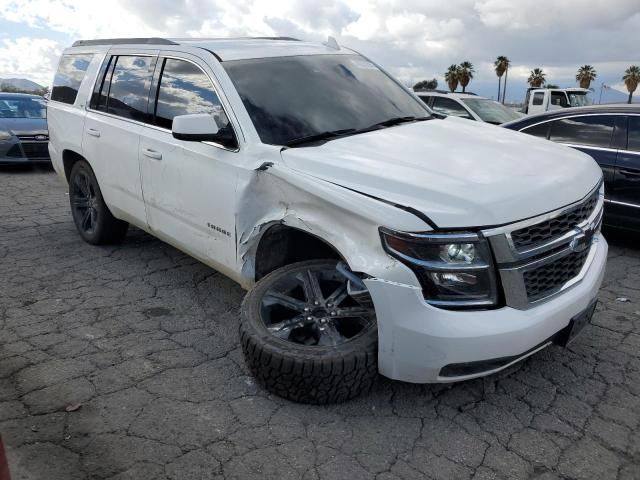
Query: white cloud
x,y
415,39
33,58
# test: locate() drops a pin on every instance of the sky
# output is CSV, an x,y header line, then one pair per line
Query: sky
x,y
413,39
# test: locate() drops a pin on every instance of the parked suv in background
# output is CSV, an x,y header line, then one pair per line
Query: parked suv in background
x,y
610,134
23,129
467,105
372,236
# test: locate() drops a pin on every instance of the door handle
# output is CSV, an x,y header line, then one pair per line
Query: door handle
x,y
152,154
93,132
629,173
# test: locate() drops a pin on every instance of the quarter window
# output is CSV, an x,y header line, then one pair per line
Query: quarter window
x,y
634,134
184,90
446,106
129,90
71,72
593,130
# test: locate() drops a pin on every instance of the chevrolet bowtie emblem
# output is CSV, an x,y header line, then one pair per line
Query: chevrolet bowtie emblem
x,y
583,239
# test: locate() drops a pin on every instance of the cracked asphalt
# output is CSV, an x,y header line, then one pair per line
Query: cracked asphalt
x,y
144,338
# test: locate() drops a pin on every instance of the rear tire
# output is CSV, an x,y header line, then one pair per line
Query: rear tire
x,y
93,219
329,371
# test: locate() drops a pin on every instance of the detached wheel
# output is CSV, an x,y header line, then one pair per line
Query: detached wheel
x,y
92,217
305,338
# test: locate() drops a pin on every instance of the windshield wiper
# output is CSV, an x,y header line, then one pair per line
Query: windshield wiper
x,y
391,122
317,137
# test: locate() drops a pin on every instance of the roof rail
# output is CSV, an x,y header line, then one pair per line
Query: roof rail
x,y
291,39
123,41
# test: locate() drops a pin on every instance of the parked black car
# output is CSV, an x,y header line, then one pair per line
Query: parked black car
x,y
23,129
611,135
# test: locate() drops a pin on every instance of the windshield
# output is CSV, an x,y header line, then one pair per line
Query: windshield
x,y
490,111
580,99
290,98
22,107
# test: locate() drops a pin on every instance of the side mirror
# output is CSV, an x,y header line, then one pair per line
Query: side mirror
x,y
198,127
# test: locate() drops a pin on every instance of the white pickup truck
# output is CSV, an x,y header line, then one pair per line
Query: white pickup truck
x,y
373,236
540,100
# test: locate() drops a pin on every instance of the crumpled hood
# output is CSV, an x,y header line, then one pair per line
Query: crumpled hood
x,y
458,172
24,126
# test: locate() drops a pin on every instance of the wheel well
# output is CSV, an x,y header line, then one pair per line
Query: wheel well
x,y
282,245
69,158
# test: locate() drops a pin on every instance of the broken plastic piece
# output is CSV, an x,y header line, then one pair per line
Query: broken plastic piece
x,y
72,407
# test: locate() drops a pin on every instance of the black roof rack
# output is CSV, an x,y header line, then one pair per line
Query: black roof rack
x,y
123,41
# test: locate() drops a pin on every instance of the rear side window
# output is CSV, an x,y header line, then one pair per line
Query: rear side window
x,y
129,87
184,90
71,72
538,97
541,130
595,130
634,134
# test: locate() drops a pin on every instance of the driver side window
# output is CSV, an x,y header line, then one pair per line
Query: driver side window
x,y
185,89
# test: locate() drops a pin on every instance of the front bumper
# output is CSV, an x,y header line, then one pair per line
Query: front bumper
x,y
23,152
417,340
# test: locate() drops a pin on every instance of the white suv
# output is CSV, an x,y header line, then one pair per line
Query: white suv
x,y
469,106
372,236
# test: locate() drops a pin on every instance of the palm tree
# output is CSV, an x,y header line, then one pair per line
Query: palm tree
x,y
451,77
586,74
501,66
465,74
631,79
536,78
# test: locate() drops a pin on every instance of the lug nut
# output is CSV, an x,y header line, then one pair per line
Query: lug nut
x,y
323,320
333,314
309,318
329,305
316,303
306,309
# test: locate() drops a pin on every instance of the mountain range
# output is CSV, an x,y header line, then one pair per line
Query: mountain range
x,y
21,84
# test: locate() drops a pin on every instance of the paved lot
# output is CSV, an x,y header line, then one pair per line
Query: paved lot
x,y
144,338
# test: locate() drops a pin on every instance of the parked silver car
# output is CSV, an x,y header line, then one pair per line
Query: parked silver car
x,y
23,129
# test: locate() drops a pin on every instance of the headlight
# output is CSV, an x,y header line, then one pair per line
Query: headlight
x,y
5,136
455,270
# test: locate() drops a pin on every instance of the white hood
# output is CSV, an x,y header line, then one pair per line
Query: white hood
x,y
457,172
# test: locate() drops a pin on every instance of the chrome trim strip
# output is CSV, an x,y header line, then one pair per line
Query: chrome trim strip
x,y
590,147
570,115
626,204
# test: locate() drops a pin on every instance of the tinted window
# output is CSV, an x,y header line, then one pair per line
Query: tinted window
x,y
593,130
538,97
184,90
292,97
129,89
71,72
446,106
634,134
101,87
541,130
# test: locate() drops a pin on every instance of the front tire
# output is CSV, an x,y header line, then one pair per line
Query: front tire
x,y
93,220
305,338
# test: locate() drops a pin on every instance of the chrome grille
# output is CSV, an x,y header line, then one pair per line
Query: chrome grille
x,y
541,256
548,279
556,226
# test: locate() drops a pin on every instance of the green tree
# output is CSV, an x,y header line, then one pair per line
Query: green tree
x,y
536,78
426,84
502,66
465,74
631,79
451,77
585,75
